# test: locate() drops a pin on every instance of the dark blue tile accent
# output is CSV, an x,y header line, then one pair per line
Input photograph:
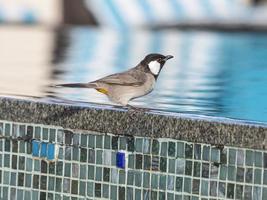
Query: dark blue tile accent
x,y
120,161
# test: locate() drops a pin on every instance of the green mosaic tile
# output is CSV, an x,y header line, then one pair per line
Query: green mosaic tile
x,y
248,192
97,190
249,158
223,172
230,190
170,196
129,193
114,142
83,154
240,174
240,157
91,156
67,169
137,194
123,143
107,142
187,185
37,132
1,128
163,164
45,134
188,150
52,134
131,160
121,193
91,141
106,174
179,184
75,170
98,173
222,190
180,150
154,181
115,175
215,155
147,146
206,153
258,159
213,188
231,173
82,188
257,176
155,147
6,160
13,179
113,158
248,175
75,153
114,192
99,157
138,179
195,187
155,163
264,193
197,169
162,182
68,153
180,166
214,172
84,140
139,145
197,151
7,129
171,149
28,180
239,192
256,192
122,177
146,180
265,160
188,167
265,177
170,182
60,136
205,170
138,161
147,162
232,157
105,191
74,187
35,181
90,189
164,149
130,144
51,183
171,166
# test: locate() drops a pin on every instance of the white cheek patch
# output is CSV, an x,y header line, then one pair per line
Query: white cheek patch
x,y
154,67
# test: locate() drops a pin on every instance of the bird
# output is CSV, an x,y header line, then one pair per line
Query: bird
x,y
120,88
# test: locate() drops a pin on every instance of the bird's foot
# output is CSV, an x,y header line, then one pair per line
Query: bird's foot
x,y
134,109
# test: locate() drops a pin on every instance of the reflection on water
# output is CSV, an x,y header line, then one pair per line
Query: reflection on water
x,y
218,74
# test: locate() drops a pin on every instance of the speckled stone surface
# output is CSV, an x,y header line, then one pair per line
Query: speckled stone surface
x,y
155,124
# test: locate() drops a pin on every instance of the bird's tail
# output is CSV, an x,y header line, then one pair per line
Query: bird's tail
x,y
77,85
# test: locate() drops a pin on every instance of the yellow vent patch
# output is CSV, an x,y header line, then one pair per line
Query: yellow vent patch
x,y
102,90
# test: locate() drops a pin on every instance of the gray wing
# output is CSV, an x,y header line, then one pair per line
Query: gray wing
x,y
128,78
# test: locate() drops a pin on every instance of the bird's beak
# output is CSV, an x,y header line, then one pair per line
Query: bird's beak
x,y
168,57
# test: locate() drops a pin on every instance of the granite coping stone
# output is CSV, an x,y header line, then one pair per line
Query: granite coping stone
x,y
153,123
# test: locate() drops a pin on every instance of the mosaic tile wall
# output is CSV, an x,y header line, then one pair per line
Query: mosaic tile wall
x,y
45,162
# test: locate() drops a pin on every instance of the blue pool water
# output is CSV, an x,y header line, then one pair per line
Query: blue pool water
x,y
218,74
212,73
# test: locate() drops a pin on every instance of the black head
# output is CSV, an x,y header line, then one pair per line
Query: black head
x,y
154,62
